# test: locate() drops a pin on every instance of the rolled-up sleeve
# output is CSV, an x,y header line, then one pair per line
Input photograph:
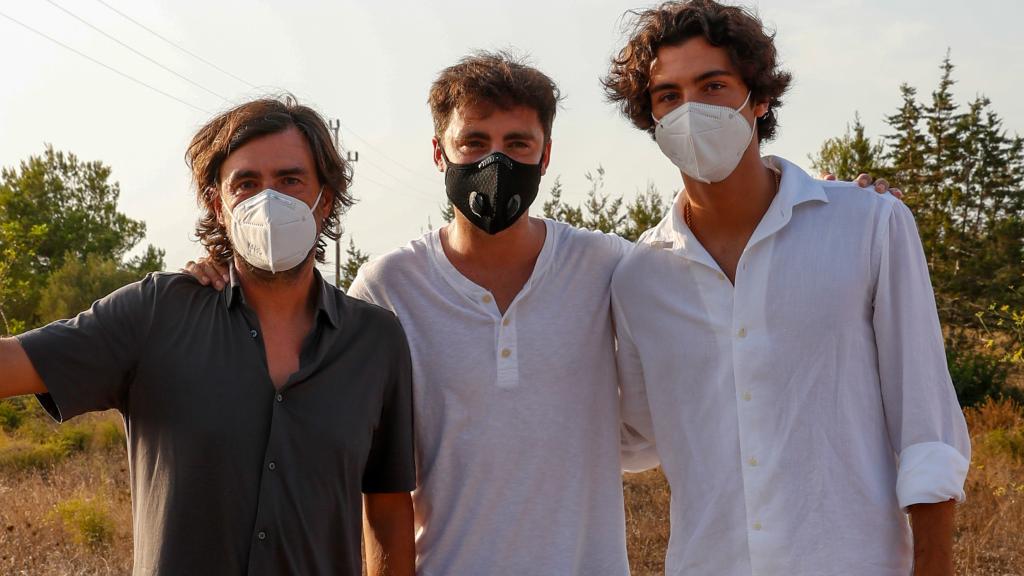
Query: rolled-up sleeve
x,y
86,362
926,424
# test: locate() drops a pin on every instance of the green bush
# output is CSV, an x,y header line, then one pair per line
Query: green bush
x,y
20,456
71,438
110,435
11,416
978,376
88,521
1009,442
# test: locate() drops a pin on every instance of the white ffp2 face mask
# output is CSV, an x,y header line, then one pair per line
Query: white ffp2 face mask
x,y
705,141
273,231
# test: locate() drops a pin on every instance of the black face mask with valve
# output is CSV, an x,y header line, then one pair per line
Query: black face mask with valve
x,y
494,192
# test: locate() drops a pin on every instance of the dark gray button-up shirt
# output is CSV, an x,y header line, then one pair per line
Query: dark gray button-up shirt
x,y
229,475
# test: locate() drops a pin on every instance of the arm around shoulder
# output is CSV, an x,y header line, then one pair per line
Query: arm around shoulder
x,y
19,376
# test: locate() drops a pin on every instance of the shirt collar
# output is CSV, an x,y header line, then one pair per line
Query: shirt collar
x,y
326,295
795,187
471,289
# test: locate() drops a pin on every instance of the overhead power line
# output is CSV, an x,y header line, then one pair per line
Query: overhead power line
x,y
368,144
108,67
174,44
134,51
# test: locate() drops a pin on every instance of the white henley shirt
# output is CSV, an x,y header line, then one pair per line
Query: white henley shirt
x,y
516,415
798,412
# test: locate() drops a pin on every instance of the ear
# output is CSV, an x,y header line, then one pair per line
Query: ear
x,y
326,201
218,207
761,108
546,158
438,157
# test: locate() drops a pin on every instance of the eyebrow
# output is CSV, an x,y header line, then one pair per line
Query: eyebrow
x,y
674,86
243,174
478,134
520,136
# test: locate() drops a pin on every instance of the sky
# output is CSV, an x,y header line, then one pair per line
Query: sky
x,y
370,65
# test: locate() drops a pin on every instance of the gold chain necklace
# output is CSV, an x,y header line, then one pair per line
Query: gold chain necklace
x,y
688,212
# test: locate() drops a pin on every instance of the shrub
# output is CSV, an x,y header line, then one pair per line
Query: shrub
x,y
88,521
978,376
21,456
71,438
110,435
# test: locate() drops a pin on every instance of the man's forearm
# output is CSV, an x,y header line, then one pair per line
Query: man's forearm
x,y
933,538
17,375
388,533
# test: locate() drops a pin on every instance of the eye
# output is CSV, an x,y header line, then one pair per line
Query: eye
x,y
291,181
714,86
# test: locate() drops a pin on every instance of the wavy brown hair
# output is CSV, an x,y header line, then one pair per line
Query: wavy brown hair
x,y
492,78
231,130
739,32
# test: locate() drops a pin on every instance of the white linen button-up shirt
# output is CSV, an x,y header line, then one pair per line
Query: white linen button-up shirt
x,y
516,414
799,411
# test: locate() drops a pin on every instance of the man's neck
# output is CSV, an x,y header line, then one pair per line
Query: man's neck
x,y
281,297
501,263
517,245
732,208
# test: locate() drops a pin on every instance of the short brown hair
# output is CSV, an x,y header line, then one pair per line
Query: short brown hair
x,y
740,33
495,78
233,129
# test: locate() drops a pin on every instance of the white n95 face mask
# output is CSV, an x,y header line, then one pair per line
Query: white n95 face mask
x,y
705,141
273,231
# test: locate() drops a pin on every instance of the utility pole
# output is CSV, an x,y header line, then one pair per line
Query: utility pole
x,y
352,156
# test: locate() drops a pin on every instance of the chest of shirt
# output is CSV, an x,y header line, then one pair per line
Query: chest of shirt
x,y
216,403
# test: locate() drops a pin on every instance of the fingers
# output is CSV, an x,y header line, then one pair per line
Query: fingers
x,y
192,269
213,274
827,176
881,185
896,192
208,273
863,180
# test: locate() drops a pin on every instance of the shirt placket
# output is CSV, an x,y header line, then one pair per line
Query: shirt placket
x,y
260,552
748,341
506,342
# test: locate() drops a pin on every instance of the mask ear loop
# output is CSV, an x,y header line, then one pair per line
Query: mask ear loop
x,y
317,201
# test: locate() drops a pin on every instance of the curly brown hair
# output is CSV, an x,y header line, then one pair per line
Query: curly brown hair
x,y
494,78
739,32
231,130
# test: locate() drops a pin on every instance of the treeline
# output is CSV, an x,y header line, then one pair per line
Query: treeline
x,y
62,240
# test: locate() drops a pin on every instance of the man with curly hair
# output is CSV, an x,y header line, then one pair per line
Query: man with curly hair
x,y
262,420
778,343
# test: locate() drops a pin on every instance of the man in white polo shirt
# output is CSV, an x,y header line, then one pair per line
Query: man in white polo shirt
x,y
779,346
509,323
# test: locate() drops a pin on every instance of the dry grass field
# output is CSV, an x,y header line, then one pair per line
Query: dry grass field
x,y
65,507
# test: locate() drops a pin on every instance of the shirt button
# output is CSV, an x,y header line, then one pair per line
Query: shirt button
x,y
272,466
506,321
742,333
252,333
721,276
752,462
262,535
487,299
757,526
747,396
506,353
279,398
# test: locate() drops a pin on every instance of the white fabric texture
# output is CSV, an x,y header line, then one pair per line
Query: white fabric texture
x,y
517,416
798,411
